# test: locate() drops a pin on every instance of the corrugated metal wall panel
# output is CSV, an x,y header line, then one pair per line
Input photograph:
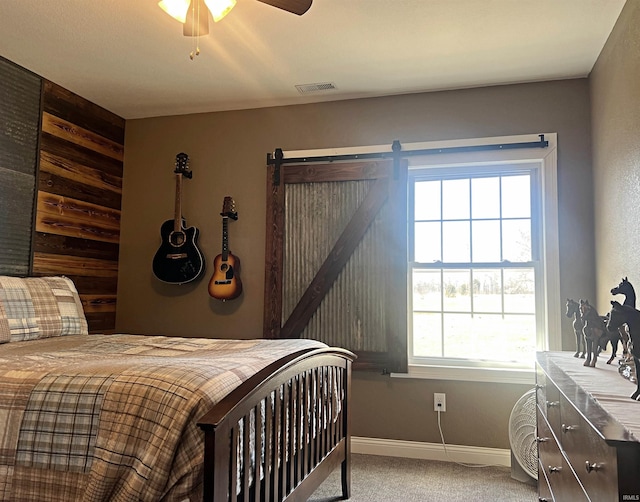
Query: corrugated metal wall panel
x,y
352,314
19,129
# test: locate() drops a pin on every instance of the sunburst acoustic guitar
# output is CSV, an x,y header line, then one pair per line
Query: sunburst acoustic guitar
x,y
225,284
178,260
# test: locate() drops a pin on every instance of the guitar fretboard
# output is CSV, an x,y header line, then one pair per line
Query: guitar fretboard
x,y
225,238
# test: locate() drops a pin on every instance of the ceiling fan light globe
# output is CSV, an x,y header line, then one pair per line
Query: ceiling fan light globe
x,y
219,8
177,9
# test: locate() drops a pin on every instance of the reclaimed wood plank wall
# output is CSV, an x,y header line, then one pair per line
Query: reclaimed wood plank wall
x,y
77,222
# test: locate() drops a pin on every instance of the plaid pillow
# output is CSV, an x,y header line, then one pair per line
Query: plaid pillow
x,y
39,307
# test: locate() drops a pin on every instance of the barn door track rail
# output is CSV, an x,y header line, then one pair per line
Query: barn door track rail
x,y
277,158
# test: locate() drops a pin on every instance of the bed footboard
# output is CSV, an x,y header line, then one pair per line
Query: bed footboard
x,y
282,432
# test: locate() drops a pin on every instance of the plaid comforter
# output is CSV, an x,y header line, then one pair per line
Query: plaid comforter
x,y
113,417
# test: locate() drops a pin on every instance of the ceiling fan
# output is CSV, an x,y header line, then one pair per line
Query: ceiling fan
x,y
195,18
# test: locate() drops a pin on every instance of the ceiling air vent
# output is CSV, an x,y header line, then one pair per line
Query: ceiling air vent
x,y
320,87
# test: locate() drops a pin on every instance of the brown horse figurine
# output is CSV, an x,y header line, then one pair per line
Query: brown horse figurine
x,y
625,314
573,310
594,328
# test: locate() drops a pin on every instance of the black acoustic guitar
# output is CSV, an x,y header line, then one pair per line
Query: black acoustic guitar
x,y
225,284
178,260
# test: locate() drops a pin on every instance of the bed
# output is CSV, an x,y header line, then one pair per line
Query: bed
x,y
130,417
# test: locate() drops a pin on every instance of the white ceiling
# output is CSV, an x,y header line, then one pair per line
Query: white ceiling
x,y
131,58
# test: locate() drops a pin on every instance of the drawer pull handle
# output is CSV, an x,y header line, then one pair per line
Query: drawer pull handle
x,y
553,404
541,440
543,499
568,428
554,469
592,467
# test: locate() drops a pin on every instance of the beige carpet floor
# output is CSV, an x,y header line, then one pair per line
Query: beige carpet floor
x,y
392,479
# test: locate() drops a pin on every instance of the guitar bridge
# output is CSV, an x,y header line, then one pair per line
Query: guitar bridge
x,y
222,282
176,256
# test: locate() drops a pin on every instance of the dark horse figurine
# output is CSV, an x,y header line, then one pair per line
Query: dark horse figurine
x,y
612,336
625,288
573,310
625,314
594,329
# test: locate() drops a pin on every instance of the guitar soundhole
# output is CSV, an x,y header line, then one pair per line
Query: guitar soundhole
x,y
224,267
177,239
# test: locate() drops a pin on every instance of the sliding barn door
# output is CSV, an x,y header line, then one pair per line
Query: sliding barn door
x,y
336,258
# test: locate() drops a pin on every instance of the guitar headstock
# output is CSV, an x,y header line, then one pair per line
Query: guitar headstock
x,y
182,165
229,208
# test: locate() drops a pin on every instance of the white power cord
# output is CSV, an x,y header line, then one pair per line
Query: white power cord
x,y
447,453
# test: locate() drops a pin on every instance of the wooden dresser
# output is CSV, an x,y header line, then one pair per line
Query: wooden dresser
x,y
588,430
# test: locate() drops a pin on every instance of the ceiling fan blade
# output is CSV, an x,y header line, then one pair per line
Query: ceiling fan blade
x,y
294,6
195,21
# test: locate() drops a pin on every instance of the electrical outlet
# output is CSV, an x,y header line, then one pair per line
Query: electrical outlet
x,y
439,401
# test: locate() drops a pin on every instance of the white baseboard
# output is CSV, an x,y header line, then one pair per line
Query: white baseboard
x,y
431,451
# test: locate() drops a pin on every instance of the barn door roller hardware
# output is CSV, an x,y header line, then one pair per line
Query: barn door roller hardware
x,y
277,158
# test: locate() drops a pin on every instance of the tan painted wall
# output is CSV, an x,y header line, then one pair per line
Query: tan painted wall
x,y
228,152
615,100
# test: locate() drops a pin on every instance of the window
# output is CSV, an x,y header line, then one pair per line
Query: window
x,y
473,274
479,274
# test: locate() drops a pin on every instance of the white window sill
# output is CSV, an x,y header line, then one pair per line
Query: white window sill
x,y
493,375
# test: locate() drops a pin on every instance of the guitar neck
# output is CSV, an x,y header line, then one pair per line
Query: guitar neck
x,y
225,238
177,215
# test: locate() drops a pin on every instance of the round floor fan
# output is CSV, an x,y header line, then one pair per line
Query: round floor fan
x,y
522,435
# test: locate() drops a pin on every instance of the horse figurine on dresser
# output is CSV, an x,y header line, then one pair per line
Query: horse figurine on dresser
x,y
625,314
625,288
612,336
573,310
594,329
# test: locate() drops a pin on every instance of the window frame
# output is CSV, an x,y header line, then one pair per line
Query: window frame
x,y
543,162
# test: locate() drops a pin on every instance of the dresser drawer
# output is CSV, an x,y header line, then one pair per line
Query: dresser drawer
x,y
544,488
594,461
555,471
541,389
548,397
547,455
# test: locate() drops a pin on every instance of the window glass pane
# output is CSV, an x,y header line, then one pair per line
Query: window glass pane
x,y
493,337
486,240
427,334
427,242
485,198
487,291
516,197
455,199
518,337
516,240
427,200
427,291
519,291
456,246
457,290
458,336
